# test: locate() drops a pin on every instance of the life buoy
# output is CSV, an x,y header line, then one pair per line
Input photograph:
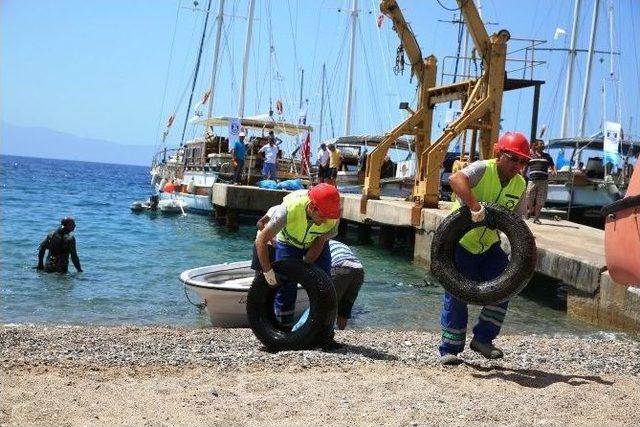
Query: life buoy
x,y
322,307
169,187
513,279
279,107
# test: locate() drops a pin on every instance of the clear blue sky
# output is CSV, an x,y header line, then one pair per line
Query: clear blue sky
x,y
98,68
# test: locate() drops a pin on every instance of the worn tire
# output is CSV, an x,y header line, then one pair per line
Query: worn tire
x,y
322,303
515,277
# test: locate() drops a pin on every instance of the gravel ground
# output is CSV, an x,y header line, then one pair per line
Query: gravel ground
x,y
70,375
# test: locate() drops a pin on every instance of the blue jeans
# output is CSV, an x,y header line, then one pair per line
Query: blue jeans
x,y
286,296
269,170
454,314
237,171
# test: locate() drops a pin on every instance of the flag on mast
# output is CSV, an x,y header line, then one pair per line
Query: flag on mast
x,y
305,155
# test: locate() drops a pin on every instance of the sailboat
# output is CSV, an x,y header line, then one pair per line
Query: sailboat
x,y
590,173
199,163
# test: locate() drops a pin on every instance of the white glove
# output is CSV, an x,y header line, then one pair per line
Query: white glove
x,y
479,215
270,277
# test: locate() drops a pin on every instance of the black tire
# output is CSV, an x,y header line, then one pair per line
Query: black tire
x,y
620,205
322,303
515,276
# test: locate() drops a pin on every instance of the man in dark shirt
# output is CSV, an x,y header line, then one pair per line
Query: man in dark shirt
x,y
538,173
60,244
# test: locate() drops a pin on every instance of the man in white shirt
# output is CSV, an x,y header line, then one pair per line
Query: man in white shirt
x,y
323,163
270,158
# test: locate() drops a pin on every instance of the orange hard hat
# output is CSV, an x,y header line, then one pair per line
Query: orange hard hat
x,y
514,142
326,199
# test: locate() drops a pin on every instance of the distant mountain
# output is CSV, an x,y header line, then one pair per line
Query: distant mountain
x,y
51,144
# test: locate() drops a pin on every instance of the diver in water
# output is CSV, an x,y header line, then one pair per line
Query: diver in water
x,y
60,244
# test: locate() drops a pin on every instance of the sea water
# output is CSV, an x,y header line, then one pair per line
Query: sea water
x,y
131,261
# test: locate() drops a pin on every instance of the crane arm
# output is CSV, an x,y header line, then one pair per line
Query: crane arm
x,y
391,9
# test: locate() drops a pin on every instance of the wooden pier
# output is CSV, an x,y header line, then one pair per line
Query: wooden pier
x,y
568,252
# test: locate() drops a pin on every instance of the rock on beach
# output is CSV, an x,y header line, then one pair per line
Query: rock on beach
x,y
79,375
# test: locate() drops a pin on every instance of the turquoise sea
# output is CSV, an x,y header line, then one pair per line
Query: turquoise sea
x,y
132,261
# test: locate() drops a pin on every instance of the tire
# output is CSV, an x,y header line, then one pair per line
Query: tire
x,y
620,205
515,276
322,304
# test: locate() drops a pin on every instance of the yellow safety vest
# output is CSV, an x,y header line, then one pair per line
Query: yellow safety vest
x,y
299,230
490,190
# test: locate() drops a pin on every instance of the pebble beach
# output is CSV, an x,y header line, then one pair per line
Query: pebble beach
x,y
131,375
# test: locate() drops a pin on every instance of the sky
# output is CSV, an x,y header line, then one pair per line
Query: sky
x,y
116,70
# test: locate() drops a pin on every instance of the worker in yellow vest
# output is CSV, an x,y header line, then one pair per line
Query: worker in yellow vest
x,y
302,226
478,254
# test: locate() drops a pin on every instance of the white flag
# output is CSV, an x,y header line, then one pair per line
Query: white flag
x,y
559,32
234,132
612,134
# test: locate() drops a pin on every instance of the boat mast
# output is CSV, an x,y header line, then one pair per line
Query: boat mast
x,y
572,58
587,74
352,46
321,102
245,61
214,71
195,74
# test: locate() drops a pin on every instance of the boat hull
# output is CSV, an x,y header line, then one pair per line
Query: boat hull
x,y
622,236
224,289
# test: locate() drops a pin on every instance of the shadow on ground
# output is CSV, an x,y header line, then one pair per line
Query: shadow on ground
x,y
533,378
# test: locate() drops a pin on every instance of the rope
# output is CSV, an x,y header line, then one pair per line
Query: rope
x,y
446,8
199,306
376,108
166,79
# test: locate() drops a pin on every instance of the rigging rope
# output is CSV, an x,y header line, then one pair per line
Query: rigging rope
x,y
449,9
195,77
376,105
166,80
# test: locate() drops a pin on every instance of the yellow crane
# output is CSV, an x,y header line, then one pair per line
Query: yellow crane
x,y
481,100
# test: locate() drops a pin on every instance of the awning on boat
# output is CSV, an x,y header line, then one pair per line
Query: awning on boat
x,y
261,122
369,141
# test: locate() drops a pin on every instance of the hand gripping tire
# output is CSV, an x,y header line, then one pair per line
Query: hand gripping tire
x,y
515,277
322,302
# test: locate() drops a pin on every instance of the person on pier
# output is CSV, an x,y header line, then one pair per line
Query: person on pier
x,y
478,255
302,227
540,166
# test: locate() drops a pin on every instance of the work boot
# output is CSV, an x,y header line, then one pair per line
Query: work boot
x,y
489,351
449,359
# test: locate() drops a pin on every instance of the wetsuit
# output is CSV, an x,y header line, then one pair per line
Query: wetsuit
x,y
60,244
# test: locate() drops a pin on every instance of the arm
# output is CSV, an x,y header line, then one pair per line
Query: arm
x,y
262,240
41,250
277,220
349,298
317,246
460,185
552,166
74,255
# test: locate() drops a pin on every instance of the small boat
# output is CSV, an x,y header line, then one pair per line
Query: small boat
x,y
171,206
149,205
224,289
622,235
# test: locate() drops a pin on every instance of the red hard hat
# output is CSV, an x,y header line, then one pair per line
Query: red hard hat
x,y
514,142
326,199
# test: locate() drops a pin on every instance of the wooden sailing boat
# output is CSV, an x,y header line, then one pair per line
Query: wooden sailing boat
x,y
205,160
